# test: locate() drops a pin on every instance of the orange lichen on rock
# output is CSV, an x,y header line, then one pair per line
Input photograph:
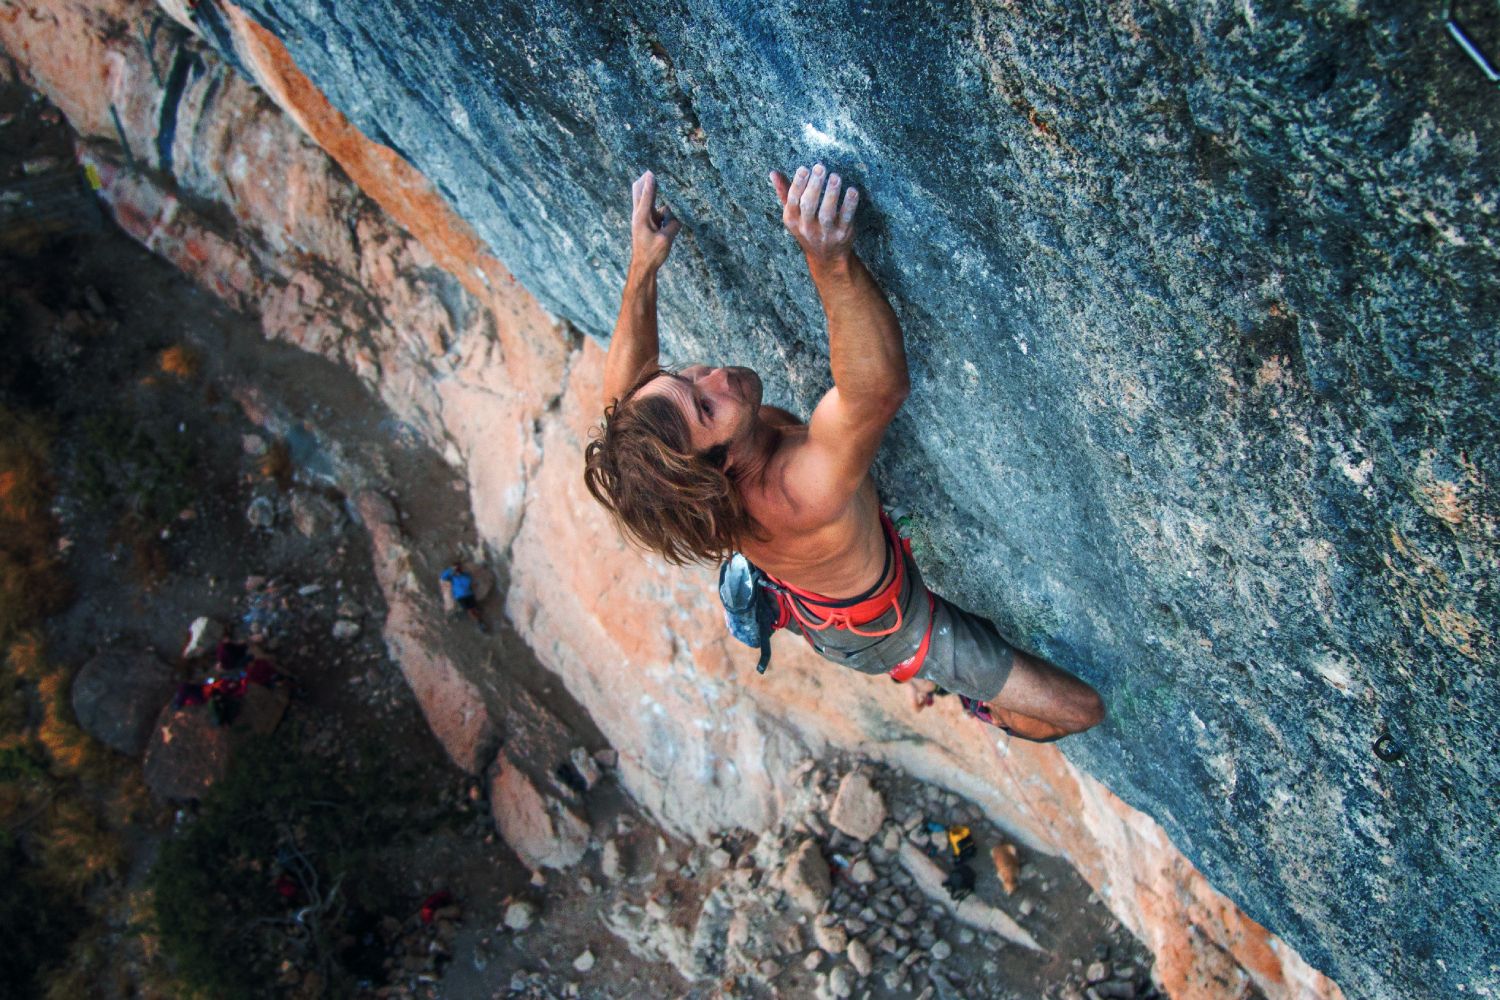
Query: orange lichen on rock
x,y
380,172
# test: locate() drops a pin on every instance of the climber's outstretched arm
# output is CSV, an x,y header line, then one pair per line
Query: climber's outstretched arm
x,y
865,347
633,347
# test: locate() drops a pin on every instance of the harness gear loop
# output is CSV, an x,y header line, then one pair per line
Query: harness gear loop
x,y
842,614
868,607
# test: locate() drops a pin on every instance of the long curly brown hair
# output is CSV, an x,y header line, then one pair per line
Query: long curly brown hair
x,y
640,465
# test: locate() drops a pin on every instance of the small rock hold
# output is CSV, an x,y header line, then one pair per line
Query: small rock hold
x,y
584,962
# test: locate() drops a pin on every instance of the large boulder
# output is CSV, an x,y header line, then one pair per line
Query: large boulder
x,y
118,695
542,830
189,752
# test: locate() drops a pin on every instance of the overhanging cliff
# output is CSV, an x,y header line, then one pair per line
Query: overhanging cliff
x,y
1202,316
1202,319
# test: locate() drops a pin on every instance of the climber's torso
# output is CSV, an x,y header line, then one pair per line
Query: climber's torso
x,y
834,550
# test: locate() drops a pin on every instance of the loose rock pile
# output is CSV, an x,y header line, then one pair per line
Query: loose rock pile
x,y
844,898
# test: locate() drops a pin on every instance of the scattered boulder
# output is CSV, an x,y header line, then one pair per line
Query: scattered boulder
x,y
829,936
858,810
541,830
585,961
805,877
519,915
117,697
859,956
203,636
862,872
314,515
345,630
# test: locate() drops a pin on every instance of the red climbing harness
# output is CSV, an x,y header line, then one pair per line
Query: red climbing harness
x,y
848,615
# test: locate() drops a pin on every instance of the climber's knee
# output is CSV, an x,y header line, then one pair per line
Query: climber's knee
x,y
1042,691
1086,708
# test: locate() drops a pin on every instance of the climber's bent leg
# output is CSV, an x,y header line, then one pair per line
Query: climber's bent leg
x,y
1042,702
1025,695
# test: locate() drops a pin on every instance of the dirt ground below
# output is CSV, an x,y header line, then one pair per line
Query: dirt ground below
x,y
118,348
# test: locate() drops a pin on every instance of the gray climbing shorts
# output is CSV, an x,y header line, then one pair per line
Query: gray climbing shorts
x,y
965,655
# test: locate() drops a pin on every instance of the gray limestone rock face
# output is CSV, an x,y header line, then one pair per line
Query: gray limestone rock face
x,y
1200,302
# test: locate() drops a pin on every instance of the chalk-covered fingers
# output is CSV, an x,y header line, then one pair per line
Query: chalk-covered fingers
x,y
812,211
812,190
652,229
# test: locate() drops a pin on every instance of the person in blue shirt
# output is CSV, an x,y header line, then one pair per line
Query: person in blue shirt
x,y
462,586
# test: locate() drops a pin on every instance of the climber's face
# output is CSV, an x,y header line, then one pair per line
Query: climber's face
x,y
719,404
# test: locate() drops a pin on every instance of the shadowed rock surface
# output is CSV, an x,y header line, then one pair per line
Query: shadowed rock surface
x,y
1201,315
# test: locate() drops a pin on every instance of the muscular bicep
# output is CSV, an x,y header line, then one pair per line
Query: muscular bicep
x,y
842,439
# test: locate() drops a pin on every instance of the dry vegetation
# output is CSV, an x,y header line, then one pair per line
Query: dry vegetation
x,y
63,798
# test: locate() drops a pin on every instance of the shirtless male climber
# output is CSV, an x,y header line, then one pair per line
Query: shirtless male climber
x,y
695,468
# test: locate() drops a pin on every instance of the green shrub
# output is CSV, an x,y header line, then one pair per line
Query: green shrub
x,y
280,812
